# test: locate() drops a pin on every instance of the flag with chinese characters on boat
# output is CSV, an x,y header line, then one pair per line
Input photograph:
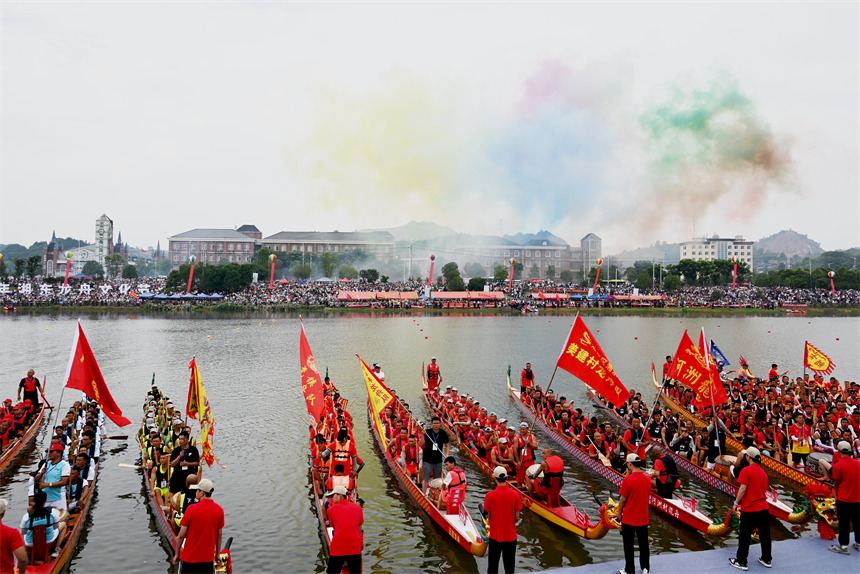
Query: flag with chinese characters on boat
x,y
817,361
312,387
198,404
83,374
698,373
583,358
380,397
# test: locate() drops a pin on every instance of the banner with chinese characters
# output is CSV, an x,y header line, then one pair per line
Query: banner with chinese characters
x,y
817,361
380,397
691,368
311,384
197,407
583,358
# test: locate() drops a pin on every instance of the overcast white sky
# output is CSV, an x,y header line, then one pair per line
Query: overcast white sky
x,y
171,116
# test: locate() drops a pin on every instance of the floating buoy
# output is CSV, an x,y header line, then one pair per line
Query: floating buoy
x,y
837,338
237,328
208,336
425,337
261,324
46,328
637,338
422,330
768,331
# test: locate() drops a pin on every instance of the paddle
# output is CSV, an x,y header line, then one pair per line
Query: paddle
x,y
124,465
118,437
42,390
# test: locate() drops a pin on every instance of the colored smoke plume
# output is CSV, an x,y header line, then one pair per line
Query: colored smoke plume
x,y
705,146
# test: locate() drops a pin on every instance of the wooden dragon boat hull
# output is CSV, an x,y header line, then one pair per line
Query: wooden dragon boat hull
x,y
566,516
70,544
776,507
676,507
162,522
734,445
10,455
468,535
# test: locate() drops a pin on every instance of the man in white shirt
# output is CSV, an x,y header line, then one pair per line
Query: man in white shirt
x,y
377,370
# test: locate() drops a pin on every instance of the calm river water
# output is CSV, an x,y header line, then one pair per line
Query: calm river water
x,y
250,366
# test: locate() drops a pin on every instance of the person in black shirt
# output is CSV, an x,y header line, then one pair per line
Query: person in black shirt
x,y
432,442
184,459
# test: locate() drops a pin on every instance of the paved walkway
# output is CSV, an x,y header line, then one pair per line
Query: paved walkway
x,y
798,556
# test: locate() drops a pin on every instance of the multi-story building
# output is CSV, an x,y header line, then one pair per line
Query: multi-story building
x,y
211,246
492,250
591,247
716,247
379,244
104,238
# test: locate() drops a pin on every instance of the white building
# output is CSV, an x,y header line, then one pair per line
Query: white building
x,y
716,247
104,238
592,250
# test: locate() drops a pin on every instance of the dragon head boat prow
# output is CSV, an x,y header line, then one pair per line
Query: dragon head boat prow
x,y
819,503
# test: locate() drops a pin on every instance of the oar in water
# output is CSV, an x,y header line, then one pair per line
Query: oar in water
x,y
120,437
124,465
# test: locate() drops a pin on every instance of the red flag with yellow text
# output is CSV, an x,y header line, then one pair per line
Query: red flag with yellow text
x,y
817,361
692,369
583,358
83,374
312,386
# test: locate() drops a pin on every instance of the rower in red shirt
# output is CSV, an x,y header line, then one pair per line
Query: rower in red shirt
x,y
346,519
525,444
846,479
635,438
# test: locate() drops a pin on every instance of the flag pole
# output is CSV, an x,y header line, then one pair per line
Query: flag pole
x,y
554,370
711,392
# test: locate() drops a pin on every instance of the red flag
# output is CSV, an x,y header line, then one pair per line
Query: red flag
x,y
719,392
83,374
583,358
133,295
691,368
311,383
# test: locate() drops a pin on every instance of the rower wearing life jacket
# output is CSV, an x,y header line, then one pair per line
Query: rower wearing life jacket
x,y
635,437
410,457
666,480
454,480
525,443
683,444
552,468
160,477
343,451
339,478
433,375
527,378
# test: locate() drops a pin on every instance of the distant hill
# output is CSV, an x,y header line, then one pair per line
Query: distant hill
x,y
523,238
668,252
789,243
417,231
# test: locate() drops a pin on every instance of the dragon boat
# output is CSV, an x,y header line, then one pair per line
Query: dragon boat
x,y
10,455
735,446
454,520
562,514
676,507
816,504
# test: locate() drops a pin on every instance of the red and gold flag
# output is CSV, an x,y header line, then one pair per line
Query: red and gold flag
x,y
312,386
83,374
692,369
817,361
583,358
198,404
380,397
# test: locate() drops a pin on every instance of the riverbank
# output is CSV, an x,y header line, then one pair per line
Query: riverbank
x,y
231,309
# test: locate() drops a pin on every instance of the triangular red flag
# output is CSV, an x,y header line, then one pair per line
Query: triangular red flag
x,y
312,386
583,358
83,374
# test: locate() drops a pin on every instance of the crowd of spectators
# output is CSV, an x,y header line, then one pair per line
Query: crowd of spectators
x,y
127,292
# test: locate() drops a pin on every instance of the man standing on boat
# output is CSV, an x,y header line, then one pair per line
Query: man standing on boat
x,y
504,506
527,378
434,377
633,510
431,444
377,370
754,513
201,530
345,518
31,387
184,460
